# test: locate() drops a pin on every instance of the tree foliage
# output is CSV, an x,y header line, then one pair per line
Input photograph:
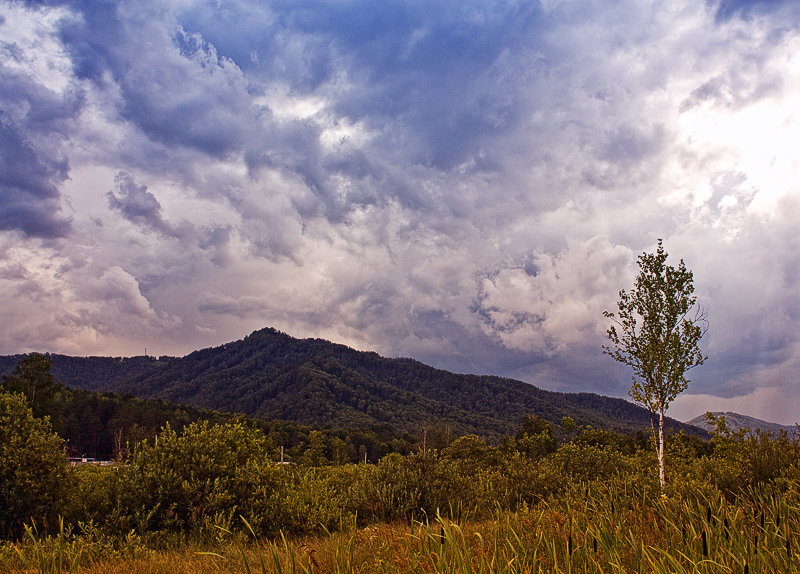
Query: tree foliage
x,y
535,437
188,477
32,378
656,331
33,468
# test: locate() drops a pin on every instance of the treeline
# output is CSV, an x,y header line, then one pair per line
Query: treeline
x,y
104,425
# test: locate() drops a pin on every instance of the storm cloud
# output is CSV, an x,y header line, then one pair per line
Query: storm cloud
x,y
468,184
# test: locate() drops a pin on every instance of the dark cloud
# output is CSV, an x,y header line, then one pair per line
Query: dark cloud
x,y
241,307
136,204
433,74
216,240
727,9
265,40
411,63
29,196
184,84
34,123
455,348
174,85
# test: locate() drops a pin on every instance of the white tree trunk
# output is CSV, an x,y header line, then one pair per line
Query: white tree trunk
x,y
661,473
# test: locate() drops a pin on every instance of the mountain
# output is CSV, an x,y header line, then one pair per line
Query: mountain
x,y
313,381
736,421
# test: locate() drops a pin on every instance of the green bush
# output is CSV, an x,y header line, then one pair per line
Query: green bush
x,y
203,475
33,468
535,437
604,438
588,462
745,458
106,497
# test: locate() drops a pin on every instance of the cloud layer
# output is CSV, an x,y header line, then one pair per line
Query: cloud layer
x,y
465,183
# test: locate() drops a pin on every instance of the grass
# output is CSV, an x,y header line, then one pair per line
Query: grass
x,y
605,528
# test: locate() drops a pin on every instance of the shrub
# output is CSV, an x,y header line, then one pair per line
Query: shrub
x,y
202,475
33,468
746,458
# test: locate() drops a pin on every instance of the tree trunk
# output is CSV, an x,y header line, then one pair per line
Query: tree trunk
x,y
661,474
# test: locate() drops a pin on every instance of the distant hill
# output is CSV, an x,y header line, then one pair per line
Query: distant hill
x,y
313,381
735,421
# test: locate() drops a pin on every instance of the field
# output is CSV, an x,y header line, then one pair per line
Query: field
x,y
606,528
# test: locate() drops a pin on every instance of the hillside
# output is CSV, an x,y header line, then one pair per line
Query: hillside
x,y
736,421
312,381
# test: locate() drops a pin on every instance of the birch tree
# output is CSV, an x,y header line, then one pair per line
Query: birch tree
x,y
656,331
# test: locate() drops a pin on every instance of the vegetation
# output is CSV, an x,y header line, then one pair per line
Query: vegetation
x,y
32,379
212,496
33,469
101,425
657,337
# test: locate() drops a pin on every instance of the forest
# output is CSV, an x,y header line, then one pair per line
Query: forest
x,y
210,492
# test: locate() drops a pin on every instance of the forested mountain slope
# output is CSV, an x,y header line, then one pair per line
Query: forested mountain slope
x,y
270,374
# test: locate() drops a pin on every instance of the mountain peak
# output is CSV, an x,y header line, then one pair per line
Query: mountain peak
x,y
737,421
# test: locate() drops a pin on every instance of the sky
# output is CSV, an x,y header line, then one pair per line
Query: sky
x,y
466,183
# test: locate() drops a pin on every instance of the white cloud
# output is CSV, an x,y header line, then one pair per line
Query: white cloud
x,y
552,303
30,46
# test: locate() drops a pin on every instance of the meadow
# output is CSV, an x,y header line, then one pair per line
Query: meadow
x,y
608,528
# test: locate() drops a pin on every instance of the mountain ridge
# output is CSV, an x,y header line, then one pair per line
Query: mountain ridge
x,y
313,381
737,421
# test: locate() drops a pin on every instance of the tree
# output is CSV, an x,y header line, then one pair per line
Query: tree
x,y
31,377
656,331
469,447
535,437
314,455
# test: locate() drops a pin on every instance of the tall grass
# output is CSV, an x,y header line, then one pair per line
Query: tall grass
x,y
593,528
52,555
616,528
